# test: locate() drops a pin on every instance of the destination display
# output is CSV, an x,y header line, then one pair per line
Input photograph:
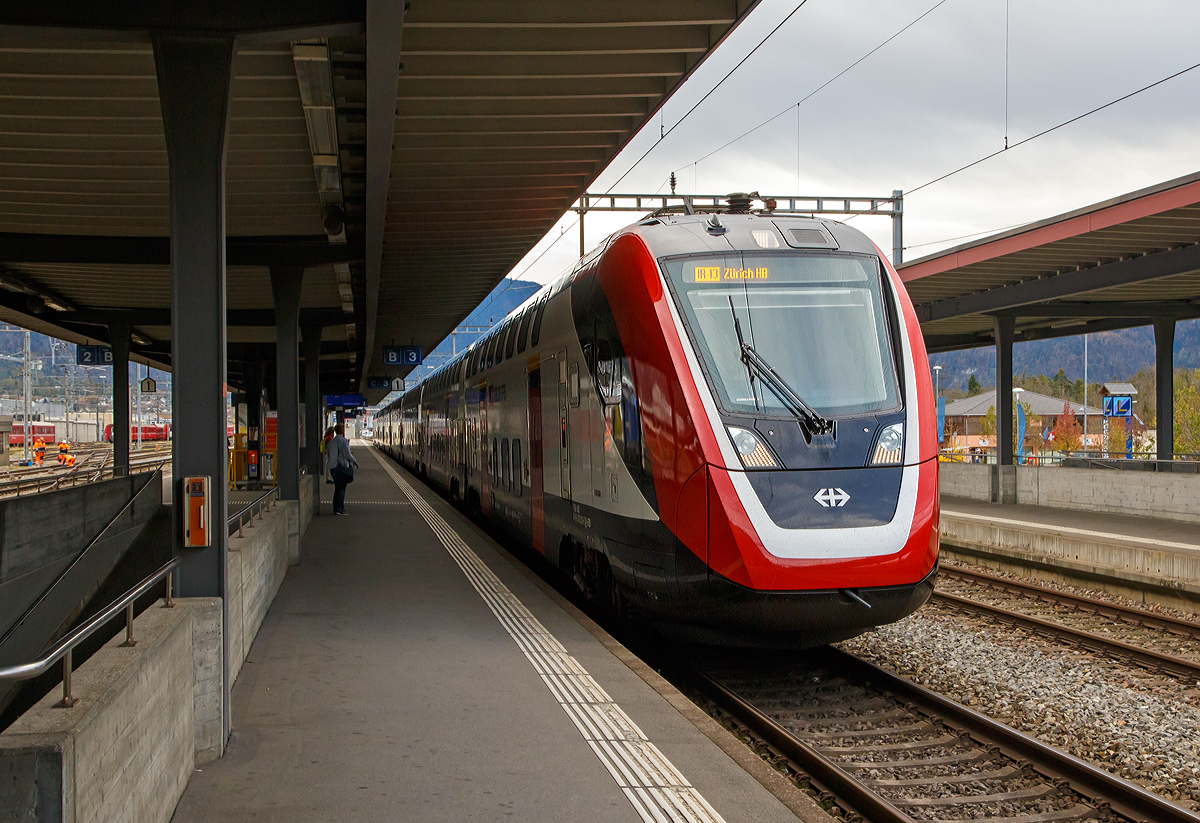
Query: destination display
x,y
792,268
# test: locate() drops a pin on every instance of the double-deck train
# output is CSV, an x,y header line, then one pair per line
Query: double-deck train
x,y
724,421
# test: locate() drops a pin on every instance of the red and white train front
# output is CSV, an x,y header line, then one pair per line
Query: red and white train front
x,y
729,425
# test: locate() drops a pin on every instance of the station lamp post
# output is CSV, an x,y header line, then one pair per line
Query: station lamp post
x,y
937,371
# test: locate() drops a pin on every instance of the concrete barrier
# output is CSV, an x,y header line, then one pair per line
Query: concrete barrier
x,y
125,751
258,562
150,714
40,534
1163,495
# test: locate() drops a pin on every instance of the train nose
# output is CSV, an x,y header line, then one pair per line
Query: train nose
x,y
831,498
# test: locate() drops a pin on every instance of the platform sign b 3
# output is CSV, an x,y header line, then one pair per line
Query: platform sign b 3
x,y
402,355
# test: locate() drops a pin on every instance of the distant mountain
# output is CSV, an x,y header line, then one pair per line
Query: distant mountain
x,y
1112,355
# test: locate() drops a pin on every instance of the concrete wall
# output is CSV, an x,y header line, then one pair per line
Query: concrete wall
x,y
309,498
41,533
1164,495
970,480
150,714
258,562
125,751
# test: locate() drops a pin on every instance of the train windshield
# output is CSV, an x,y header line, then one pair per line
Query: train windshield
x,y
817,319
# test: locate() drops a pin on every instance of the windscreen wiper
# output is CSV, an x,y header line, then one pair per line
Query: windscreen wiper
x,y
755,364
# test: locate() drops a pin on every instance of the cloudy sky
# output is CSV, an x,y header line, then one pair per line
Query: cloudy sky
x,y
928,102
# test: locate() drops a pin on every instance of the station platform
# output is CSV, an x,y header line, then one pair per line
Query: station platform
x,y
1144,558
410,669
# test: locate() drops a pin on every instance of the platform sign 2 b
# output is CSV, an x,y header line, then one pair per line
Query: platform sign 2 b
x,y
1118,406
93,356
402,355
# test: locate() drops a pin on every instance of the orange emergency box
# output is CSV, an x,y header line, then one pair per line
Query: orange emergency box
x,y
196,504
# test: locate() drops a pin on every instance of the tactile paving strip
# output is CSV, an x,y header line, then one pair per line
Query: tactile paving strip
x,y
657,790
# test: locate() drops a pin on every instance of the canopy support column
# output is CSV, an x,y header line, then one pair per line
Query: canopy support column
x,y
1164,369
118,333
195,78
313,416
1004,487
285,286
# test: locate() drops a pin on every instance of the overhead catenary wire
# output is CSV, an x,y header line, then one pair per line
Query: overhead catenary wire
x,y
661,136
1044,132
812,93
717,85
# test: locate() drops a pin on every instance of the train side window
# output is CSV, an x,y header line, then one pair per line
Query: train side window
x,y
490,349
492,466
516,466
526,318
511,341
504,465
608,376
537,320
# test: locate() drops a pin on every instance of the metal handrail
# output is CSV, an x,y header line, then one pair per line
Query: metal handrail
x,y
264,498
63,648
79,557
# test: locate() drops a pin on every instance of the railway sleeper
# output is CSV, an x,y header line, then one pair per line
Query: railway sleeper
x,y
908,728
997,774
943,740
1030,793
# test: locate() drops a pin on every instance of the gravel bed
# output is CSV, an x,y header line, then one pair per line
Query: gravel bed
x,y
1152,639
1125,720
1095,594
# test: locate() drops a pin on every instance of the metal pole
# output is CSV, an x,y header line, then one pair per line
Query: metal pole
x,y
138,389
1085,397
68,700
26,381
897,227
582,209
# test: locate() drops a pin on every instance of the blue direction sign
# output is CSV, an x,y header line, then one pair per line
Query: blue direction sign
x,y
402,355
1118,406
93,356
345,401
384,383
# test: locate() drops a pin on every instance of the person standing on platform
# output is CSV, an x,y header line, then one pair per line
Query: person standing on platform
x,y
342,464
325,467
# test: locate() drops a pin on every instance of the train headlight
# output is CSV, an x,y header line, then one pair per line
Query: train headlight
x,y
889,448
754,452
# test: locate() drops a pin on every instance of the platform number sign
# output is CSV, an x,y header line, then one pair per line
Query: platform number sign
x,y
384,383
1118,406
93,356
402,355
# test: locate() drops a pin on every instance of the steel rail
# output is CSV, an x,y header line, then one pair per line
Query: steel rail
x,y
1100,786
825,773
1178,666
1129,614
63,648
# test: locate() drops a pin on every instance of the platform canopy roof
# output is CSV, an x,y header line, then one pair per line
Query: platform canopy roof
x,y
405,196
1117,264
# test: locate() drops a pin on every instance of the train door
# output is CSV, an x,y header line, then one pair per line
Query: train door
x,y
564,405
536,479
486,456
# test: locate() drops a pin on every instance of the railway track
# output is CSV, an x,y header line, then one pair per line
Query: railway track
x,y
1157,642
91,465
889,750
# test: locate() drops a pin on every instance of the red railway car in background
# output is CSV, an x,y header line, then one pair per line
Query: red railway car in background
x,y
160,431
46,431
